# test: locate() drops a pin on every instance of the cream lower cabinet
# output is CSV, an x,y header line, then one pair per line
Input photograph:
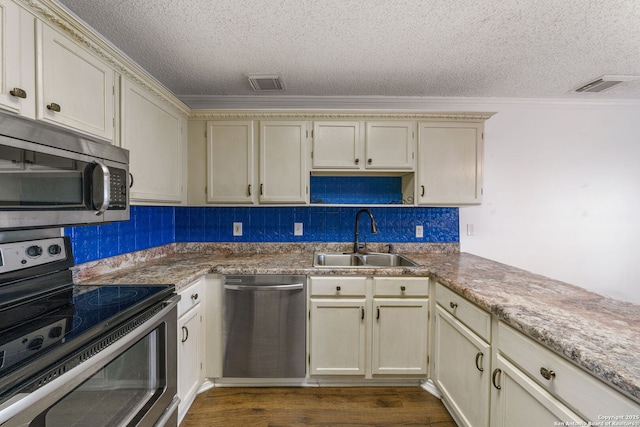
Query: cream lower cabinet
x,y
449,163
17,59
155,136
351,332
75,88
190,344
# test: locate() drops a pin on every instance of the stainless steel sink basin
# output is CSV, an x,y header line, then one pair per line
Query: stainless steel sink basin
x,y
347,259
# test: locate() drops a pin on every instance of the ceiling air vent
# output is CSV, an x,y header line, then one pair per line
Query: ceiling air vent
x,y
263,82
605,82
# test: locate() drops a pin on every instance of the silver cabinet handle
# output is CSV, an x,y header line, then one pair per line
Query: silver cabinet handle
x,y
494,377
18,93
547,374
194,297
185,333
479,358
54,107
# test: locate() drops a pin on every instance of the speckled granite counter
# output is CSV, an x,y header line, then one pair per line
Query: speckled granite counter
x,y
600,334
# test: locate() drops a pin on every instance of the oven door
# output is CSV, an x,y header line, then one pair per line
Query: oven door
x,y
132,382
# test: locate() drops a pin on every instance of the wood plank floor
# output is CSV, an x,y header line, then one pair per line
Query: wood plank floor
x,y
317,406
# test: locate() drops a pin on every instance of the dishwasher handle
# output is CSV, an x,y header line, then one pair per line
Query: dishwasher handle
x,y
288,287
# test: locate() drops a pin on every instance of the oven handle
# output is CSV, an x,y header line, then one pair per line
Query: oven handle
x,y
166,415
40,399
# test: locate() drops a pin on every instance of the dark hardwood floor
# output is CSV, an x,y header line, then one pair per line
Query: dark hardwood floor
x,y
317,406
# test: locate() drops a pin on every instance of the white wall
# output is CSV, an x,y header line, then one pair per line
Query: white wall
x,y
562,193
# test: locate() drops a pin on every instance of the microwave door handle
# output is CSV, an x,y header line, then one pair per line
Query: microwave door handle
x,y
101,179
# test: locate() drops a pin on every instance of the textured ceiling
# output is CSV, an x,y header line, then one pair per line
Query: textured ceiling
x,y
449,48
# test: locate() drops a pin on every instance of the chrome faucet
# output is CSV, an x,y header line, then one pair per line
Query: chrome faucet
x,y
374,228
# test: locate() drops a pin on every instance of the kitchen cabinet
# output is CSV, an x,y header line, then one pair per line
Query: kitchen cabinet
x,y
450,163
462,369
368,326
190,344
359,145
230,162
17,59
155,136
75,88
284,177
530,380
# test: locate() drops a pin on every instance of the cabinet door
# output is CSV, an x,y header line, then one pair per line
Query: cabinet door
x,y
400,336
450,163
17,59
152,133
462,369
521,402
230,165
283,162
188,359
76,88
337,336
337,145
389,145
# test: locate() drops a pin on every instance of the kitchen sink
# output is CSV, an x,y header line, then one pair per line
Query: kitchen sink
x,y
372,259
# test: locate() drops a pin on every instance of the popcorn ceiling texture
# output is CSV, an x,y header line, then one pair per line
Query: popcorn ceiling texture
x,y
480,48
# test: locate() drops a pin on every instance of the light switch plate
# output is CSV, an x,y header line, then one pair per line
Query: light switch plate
x,y
237,229
419,231
297,229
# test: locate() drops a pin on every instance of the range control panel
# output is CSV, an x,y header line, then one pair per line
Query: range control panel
x,y
21,255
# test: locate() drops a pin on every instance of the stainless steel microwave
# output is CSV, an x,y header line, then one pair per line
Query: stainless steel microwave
x,y
51,177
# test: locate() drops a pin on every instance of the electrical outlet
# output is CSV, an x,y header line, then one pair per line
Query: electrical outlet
x,y
237,229
419,231
297,229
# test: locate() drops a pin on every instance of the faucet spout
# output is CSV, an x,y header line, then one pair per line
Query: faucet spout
x,y
374,228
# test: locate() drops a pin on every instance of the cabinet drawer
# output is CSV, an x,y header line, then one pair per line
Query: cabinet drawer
x,y
337,286
400,287
580,390
468,313
190,296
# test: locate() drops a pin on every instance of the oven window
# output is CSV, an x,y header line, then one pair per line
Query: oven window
x,y
117,394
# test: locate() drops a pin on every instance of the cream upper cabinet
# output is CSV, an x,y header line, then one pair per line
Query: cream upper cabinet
x,y
337,145
284,177
358,145
390,145
17,59
75,88
154,135
449,163
230,162
462,362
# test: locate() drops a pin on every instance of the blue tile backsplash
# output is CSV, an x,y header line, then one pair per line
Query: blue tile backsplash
x,y
381,190
152,226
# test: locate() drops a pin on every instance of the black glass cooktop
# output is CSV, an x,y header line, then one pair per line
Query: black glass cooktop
x,y
68,317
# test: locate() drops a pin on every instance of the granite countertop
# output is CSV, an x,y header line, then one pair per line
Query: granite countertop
x,y
600,334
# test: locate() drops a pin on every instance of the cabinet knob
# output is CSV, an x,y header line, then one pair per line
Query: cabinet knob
x,y
370,161
495,377
338,288
403,288
357,161
54,107
194,297
547,374
453,305
18,93
185,334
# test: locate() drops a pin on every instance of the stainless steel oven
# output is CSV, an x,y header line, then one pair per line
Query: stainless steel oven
x,y
82,355
52,177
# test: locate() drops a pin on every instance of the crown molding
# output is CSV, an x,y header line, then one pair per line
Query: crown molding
x,y
64,20
337,115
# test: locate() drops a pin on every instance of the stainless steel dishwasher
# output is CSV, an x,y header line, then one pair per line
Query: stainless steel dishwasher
x,y
264,326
